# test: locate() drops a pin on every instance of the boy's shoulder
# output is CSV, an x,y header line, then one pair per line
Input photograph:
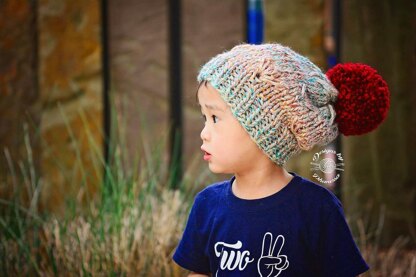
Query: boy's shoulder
x,y
206,201
312,192
212,191
313,187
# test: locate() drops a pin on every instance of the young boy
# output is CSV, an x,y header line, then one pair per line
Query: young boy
x,y
262,104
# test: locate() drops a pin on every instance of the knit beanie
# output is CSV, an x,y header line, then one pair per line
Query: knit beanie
x,y
285,102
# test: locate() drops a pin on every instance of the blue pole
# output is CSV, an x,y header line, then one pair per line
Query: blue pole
x,y
255,21
334,55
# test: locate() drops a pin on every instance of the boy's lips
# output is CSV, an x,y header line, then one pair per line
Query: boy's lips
x,y
207,155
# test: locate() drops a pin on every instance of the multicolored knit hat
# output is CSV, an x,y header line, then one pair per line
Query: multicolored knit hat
x,y
287,104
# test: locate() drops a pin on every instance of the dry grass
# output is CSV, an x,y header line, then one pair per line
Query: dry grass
x,y
397,260
139,243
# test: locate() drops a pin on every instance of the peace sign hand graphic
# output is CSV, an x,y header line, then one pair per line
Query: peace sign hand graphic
x,y
271,263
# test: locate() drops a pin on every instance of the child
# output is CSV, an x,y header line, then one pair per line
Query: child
x,y
262,104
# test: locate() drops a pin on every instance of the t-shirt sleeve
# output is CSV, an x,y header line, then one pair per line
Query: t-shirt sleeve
x,y
189,253
339,254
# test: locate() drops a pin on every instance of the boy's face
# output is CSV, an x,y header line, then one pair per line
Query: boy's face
x,y
231,148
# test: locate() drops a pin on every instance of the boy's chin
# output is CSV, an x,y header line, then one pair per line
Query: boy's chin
x,y
218,170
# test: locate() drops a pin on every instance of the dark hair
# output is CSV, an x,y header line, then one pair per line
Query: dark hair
x,y
204,82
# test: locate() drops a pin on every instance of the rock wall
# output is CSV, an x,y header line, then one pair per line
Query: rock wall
x,y
51,82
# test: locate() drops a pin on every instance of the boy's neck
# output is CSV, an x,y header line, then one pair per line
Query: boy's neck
x,y
260,184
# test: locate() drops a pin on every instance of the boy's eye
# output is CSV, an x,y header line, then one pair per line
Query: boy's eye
x,y
214,117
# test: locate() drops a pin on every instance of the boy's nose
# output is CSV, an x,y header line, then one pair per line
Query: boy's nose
x,y
204,134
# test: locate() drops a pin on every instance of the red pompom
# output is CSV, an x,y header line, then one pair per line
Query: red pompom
x,y
363,99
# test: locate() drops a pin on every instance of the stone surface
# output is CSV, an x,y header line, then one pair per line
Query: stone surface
x,y
70,98
19,114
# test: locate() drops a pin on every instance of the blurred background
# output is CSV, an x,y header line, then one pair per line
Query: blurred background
x,y
99,125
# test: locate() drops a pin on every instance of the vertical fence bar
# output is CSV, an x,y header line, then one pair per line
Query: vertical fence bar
x,y
334,56
106,88
336,17
175,89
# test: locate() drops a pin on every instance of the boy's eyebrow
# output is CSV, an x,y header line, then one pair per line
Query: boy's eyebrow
x,y
212,107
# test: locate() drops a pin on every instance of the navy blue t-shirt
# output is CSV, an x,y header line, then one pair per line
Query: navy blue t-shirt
x,y
298,231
